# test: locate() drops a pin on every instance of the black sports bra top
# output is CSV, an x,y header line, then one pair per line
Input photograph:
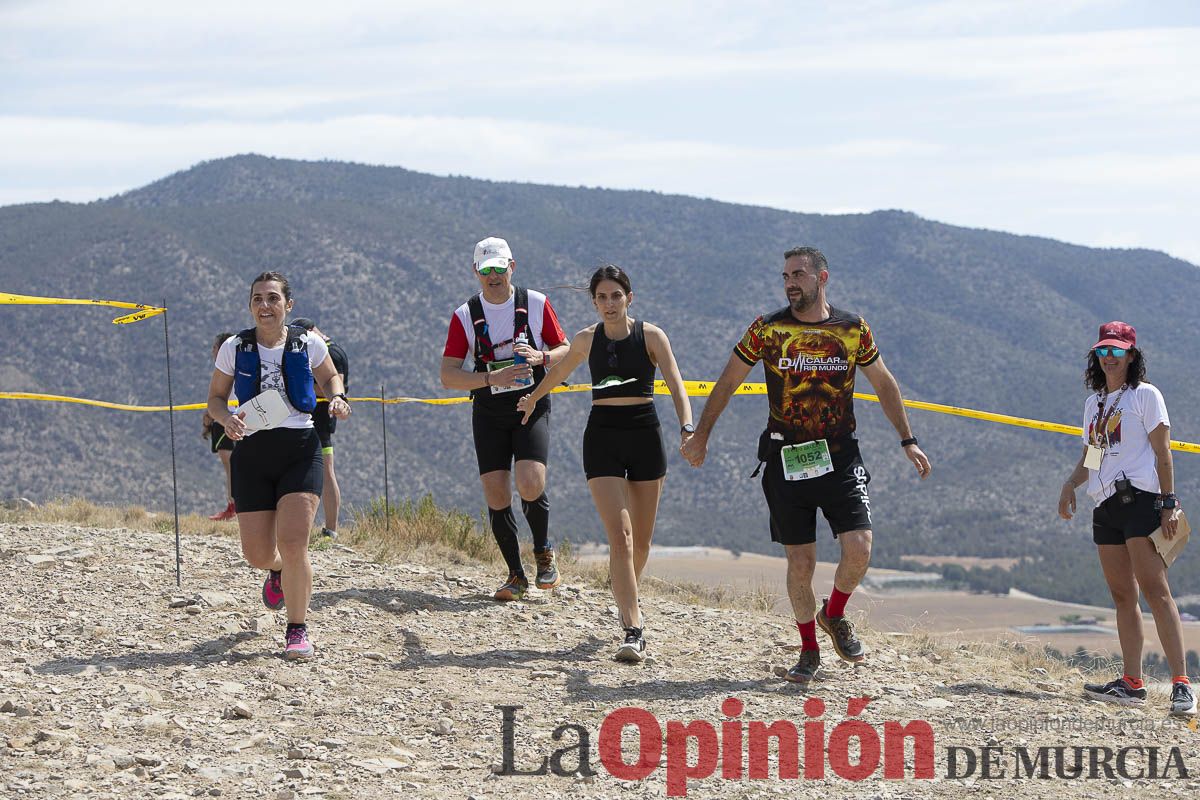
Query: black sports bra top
x,y
622,367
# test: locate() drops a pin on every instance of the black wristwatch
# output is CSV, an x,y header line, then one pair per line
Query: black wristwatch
x,y
687,428
908,441
341,395
1166,502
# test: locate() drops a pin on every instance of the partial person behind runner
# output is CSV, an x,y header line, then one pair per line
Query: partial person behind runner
x,y
810,352
498,346
222,445
623,453
277,472
1127,466
325,425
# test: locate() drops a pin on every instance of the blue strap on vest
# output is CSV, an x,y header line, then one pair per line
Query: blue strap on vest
x,y
297,374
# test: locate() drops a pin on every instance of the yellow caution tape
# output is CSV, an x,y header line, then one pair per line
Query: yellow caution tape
x,y
143,312
694,389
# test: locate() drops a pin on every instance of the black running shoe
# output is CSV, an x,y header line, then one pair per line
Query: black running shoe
x,y
1183,700
1118,692
806,668
634,648
841,631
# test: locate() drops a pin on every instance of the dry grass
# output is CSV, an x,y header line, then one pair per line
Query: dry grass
x,y
1004,658
77,511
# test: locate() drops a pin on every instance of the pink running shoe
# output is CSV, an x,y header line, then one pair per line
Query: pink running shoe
x,y
299,647
272,593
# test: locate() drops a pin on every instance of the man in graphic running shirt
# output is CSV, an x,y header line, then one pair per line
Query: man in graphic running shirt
x,y
810,352
483,340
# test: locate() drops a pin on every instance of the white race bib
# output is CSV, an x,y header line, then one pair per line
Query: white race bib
x,y
806,460
494,366
265,411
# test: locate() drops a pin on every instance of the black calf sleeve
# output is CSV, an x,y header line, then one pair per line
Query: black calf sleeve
x,y
504,528
537,514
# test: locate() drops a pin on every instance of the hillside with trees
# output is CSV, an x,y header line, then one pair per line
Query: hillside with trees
x,y
380,256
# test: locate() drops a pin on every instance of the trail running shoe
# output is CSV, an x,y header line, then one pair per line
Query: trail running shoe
x,y
1118,692
272,593
806,668
634,648
328,534
513,589
224,516
841,631
547,570
298,645
1183,700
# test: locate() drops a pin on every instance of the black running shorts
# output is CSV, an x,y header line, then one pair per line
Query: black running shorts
x,y
500,438
1115,523
217,439
324,425
624,442
269,464
841,495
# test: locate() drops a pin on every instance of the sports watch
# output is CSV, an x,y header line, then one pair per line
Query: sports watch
x,y
1166,502
687,428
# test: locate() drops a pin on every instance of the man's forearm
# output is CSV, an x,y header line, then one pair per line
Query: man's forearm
x,y
893,408
717,400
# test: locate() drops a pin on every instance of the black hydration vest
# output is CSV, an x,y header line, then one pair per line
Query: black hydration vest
x,y
485,351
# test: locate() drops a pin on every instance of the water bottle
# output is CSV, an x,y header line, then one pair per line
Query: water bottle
x,y
520,359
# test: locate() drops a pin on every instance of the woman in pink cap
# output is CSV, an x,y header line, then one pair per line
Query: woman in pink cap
x,y
1126,464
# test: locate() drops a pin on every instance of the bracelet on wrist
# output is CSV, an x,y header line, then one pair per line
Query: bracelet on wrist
x,y
487,379
908,441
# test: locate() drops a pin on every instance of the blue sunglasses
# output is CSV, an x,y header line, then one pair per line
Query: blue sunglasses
x,y
1115,352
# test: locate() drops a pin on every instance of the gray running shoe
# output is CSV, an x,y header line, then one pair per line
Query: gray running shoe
x,y
1183,700
547,570
806,668
841,631
633,650
1118,692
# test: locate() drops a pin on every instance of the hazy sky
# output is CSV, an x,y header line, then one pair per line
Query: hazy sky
x,y
1074,119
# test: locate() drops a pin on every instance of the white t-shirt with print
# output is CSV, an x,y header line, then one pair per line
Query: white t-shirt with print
x,y
1127,446
270,361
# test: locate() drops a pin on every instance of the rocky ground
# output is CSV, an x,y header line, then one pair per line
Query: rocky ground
x,y
116,684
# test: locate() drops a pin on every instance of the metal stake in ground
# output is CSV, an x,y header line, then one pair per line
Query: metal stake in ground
x,y
171,417
387,510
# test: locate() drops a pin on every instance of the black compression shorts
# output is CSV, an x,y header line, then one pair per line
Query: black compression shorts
x,y
500,438
217,439
841,495
324,425
624,442
269,464
1115,523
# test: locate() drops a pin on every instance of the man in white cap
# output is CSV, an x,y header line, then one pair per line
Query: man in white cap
x,y
499,345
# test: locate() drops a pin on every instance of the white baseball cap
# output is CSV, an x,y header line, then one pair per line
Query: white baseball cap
x,y
492,252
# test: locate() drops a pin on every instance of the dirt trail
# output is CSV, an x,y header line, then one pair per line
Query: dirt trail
x,y
114,684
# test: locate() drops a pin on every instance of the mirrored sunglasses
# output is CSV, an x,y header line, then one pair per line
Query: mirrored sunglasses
x,y
490,270
1115,352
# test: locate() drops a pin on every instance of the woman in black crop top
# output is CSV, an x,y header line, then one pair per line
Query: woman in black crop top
x,y
623,453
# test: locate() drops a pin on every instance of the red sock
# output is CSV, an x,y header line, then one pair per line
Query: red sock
x,y
808,635
1134,683
836,607
1181,679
